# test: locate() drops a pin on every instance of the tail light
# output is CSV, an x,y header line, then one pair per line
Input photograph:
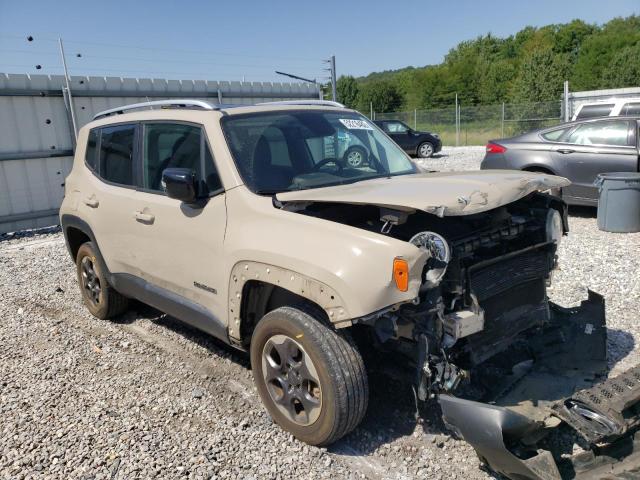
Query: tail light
x,y
495,148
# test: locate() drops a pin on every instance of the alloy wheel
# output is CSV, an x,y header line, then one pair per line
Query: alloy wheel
x,y
90,280
426,150
292,379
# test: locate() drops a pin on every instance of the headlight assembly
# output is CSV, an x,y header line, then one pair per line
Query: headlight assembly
x,y
439,255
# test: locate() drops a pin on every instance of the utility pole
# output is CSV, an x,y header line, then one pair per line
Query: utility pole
x,y
457,123
566,101
332,71
68,87
334,93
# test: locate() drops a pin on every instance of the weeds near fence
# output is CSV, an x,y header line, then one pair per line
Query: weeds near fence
x,y
479,124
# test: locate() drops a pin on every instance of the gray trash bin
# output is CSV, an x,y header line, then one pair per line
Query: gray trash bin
x,y
619,203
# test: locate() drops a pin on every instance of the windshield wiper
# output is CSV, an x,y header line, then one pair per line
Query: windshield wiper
x,y
267,192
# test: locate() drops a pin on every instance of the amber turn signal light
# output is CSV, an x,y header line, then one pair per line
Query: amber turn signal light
x,y
401,274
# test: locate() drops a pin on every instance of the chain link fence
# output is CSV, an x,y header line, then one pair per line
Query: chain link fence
x,y
475,125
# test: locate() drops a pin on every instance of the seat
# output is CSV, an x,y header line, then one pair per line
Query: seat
x,y
265,175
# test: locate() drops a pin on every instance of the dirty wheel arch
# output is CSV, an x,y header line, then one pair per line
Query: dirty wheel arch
x,y
301,285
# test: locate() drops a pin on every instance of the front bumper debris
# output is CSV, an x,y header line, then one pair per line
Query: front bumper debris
x,y
564,392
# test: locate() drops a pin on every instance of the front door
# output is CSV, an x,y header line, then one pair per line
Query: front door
x,y
596,147
401,134
179,246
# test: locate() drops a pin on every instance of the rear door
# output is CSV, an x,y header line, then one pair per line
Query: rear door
x,y
107,196
596,147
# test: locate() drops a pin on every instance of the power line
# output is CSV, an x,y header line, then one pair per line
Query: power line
x,y
160,50
123,72
87,57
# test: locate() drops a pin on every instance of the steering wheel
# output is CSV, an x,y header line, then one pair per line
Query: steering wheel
x,y
326,161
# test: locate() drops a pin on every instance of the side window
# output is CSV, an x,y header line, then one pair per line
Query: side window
x,y
554,135
396,127
174,145
116,153
630,109
591,111
211,177
169,145
91,152
615,133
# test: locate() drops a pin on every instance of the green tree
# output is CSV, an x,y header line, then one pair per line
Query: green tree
x,y
624,69
529,66
347,90
541,76
597,52
384,95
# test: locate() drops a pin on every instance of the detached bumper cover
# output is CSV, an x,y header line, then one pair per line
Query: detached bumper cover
x,y
509,434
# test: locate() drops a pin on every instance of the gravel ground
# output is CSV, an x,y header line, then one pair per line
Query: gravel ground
x,y
146,397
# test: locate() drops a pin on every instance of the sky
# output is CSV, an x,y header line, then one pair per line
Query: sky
x,y
250,39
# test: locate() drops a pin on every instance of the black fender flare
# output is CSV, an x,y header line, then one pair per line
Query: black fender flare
x,y
72,221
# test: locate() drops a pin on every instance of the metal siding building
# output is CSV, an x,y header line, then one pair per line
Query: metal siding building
x,y
36,140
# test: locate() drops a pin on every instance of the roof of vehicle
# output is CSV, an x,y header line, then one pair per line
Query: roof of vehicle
x,y
188,109
204,105
591,119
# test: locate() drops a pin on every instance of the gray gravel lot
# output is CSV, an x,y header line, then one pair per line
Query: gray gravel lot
x,y
146,397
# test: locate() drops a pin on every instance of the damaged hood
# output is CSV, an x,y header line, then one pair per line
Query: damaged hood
x,y
442,193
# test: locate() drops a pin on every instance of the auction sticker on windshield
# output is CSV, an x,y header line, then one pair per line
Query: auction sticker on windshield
x,y
354,124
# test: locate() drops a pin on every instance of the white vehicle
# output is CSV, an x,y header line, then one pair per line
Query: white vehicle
x,y
608,108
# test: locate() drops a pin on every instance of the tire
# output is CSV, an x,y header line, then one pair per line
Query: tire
x,y
355,157
99,297
322,366
425,150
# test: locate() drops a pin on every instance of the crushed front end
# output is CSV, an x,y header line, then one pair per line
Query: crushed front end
x,y
511,371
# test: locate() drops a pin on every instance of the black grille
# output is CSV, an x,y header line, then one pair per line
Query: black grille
x,y
499,277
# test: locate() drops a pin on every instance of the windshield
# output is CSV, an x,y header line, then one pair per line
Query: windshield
x,y
295,150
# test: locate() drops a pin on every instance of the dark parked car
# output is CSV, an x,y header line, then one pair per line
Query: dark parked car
x,y
417,144
578,151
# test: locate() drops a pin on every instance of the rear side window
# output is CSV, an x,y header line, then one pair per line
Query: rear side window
x,y
116,154
630,109
554,135
91,152
614,133
591,111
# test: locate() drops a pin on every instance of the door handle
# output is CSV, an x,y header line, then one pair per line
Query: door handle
x,y
144,217
565,150
91,202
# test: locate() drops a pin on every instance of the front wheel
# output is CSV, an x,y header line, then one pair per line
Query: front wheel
x,y
355,157
425,150
310,378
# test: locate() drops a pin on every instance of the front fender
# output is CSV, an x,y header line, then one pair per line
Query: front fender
x,y
310,254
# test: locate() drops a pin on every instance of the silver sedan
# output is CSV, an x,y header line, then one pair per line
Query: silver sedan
x,y
578,151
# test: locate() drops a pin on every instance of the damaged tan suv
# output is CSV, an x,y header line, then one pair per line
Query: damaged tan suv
x,y
248,223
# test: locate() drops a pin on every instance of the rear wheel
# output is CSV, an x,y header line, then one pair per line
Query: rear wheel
x,y
310,378
98,296
425,150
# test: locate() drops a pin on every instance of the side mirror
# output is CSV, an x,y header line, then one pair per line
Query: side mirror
x,y
180,183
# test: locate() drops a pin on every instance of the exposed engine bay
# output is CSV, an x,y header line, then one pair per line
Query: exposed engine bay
x,y
506,365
